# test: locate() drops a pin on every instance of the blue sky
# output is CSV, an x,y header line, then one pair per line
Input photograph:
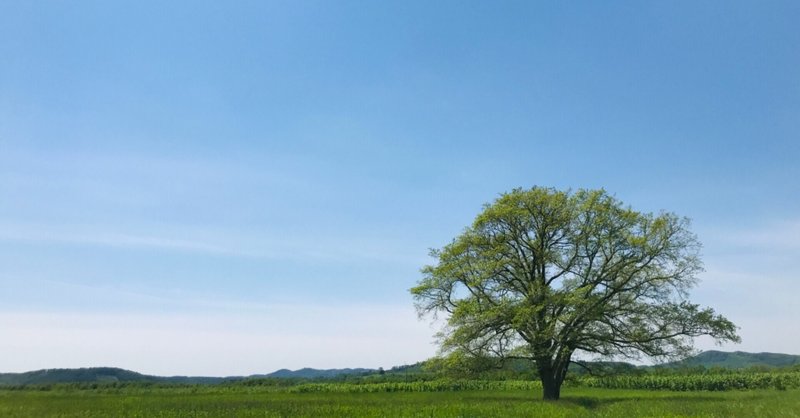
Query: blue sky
x,y
249,182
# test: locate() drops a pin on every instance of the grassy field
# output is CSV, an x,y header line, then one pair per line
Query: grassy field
x,y
213,401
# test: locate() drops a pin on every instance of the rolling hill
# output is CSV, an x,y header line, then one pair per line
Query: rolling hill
x,y
737,360
707,359
308,373
113,374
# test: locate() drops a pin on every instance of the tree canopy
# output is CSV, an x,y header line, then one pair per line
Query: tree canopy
x,y
544,274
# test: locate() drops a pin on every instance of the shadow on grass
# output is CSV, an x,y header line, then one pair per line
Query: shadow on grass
x,y
596,402
589,402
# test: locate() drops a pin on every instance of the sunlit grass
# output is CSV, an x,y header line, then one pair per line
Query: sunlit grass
x,y
233,402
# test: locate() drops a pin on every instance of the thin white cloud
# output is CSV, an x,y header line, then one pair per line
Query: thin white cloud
x,y
216,344
38,234
751,279
782,236
759,334
128,297
216,242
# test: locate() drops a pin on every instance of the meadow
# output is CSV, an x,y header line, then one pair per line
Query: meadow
x,y
399,399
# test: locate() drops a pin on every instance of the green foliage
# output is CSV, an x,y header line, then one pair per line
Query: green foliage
x,y
462,366
542,274
421,386
698,382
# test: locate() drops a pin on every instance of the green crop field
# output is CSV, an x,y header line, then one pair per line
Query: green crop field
x,y
491,401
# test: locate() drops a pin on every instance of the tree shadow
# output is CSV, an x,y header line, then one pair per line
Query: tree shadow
x,y
592,403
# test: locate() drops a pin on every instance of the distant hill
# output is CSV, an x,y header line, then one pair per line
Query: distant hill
x,y
97,375
113,374
308,373
737,360
94,374
707,359
418,367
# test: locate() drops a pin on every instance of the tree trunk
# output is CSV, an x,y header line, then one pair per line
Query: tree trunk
x,y
551,391
552,378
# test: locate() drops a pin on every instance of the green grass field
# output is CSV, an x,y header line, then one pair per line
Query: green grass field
x,y
215,401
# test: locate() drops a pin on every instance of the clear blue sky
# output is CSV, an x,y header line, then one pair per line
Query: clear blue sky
x,y
219,188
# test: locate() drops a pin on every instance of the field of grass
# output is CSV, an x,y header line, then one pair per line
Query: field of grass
x,y
213,401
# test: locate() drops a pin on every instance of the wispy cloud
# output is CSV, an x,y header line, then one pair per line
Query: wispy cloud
x,y
216,344
780,236
55,235
751,279
764,254
213,241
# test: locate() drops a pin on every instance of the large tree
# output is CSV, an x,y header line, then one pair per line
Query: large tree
x,y
543,274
